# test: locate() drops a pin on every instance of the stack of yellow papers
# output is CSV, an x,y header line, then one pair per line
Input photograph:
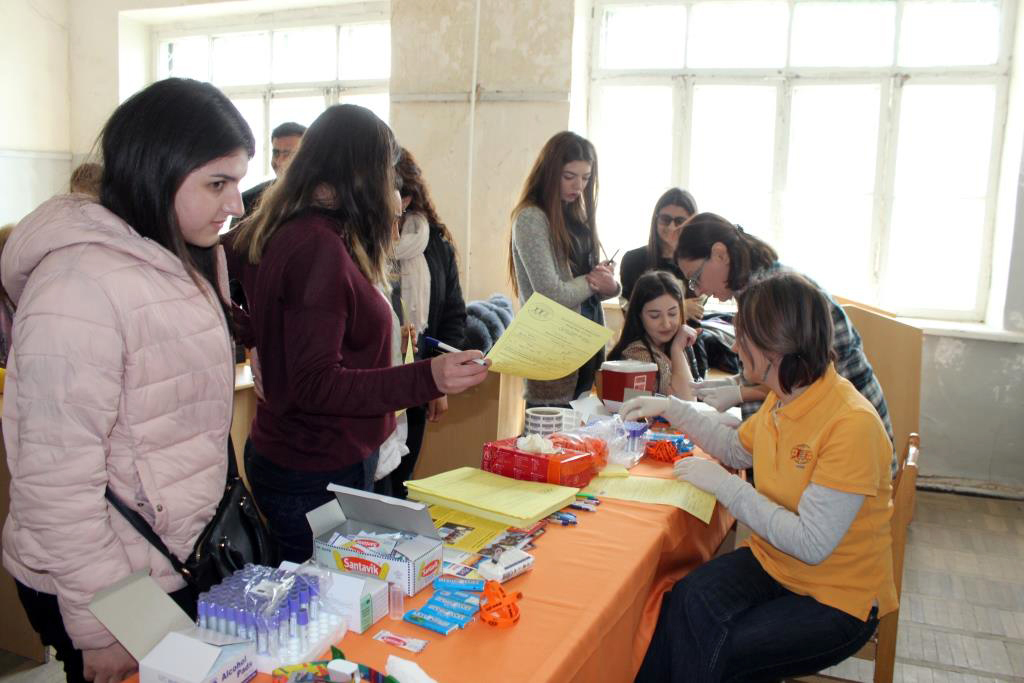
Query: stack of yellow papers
x,y
492,496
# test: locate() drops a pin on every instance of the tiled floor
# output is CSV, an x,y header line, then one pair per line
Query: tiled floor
x,y
962,613
962,619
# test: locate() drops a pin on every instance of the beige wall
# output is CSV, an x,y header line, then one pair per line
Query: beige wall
x,y
34,52
476,155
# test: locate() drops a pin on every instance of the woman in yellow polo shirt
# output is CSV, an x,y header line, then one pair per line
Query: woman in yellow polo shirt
x,y
807,589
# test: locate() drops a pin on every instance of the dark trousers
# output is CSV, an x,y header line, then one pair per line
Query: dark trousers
x,y
284,497
728,620
45,617
416,422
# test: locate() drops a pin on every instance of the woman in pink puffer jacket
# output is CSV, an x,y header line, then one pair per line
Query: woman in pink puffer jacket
x,y
122,370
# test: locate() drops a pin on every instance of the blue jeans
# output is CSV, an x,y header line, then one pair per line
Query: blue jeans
x,y
284,497
728,620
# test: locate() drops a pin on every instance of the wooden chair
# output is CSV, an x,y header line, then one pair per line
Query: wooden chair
x,y
882,646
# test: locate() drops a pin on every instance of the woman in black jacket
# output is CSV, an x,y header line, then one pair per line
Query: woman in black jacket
x,y
431,295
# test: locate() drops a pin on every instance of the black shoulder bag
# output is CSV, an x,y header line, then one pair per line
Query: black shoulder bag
x,y
234,536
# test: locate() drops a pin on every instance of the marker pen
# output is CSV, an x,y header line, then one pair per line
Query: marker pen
x,y
430,341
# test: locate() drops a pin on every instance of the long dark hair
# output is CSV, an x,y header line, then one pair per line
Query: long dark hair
x,y
783,313
648,287
151,142
414,187
542,189
346,167
675,196
747,254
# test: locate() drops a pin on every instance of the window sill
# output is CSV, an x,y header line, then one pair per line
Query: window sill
x,y
964,330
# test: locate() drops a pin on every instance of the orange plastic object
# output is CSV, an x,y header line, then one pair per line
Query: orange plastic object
x,y
664,451
499,608
568,467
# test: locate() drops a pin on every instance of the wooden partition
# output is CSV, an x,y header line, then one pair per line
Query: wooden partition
x,y
894,350
494,409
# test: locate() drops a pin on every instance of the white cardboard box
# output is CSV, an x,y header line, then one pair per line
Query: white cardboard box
x,y
361,600
165,642
417,561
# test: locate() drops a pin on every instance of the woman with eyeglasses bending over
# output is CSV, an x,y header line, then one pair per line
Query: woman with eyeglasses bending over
x,y
554,250
721,259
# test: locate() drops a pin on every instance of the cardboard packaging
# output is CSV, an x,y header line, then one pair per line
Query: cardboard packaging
x,y
361,600
165,642
415,562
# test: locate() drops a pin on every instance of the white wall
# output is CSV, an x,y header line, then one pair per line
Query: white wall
x,y
34,118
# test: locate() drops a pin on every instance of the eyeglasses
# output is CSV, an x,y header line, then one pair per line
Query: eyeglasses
x,y
694,280
664,219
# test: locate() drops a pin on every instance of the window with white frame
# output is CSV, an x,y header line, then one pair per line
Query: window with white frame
x,y
861,138
290,73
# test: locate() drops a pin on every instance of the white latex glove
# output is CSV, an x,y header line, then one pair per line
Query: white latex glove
x,y
636,409
727,419
721,398
732,380
706,475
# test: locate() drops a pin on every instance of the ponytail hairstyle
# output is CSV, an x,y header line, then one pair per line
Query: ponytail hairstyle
x,y
675,196
151,142
784,314
345,166
648,287
542,189
748,255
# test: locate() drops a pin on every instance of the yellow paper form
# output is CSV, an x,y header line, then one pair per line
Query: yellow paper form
x,y
492,496
680,494
463,531
546,341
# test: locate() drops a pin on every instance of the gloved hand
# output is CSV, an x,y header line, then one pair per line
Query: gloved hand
x,y
721,398
678,412
706,475
731,381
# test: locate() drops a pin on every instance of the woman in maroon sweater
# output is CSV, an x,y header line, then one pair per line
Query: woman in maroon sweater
x,y
312,261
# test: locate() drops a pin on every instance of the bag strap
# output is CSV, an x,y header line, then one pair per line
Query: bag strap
x,y
146,531
140,524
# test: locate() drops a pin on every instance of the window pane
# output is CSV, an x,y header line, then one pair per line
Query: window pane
x,y
732,152
251,109
941,188
635,161
365,51
301,109
830,185
185,58
378,103
305,54
843,33
241,58
934,254
949,33
643,37
738,34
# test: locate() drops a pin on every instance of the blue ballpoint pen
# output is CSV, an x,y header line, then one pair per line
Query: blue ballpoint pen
x,y
448,347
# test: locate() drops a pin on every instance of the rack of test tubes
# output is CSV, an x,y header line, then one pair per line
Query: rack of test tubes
x,y
279,610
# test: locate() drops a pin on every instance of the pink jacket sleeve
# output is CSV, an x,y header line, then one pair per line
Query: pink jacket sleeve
x,y
69,366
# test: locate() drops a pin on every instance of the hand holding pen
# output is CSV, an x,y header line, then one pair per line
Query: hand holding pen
x,y
455,370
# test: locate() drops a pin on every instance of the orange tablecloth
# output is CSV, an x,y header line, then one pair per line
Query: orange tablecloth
x,y
589,605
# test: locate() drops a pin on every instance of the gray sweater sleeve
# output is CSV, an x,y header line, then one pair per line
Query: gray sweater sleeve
x,y
823,517
715,438
531,241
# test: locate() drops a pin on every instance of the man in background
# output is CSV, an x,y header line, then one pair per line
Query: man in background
x,y
284,141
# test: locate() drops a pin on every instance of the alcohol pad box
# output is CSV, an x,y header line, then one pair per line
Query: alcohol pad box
x,y
167,645
377,536
361,600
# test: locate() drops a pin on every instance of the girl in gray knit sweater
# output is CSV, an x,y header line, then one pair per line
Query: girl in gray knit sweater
x,y
554,250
